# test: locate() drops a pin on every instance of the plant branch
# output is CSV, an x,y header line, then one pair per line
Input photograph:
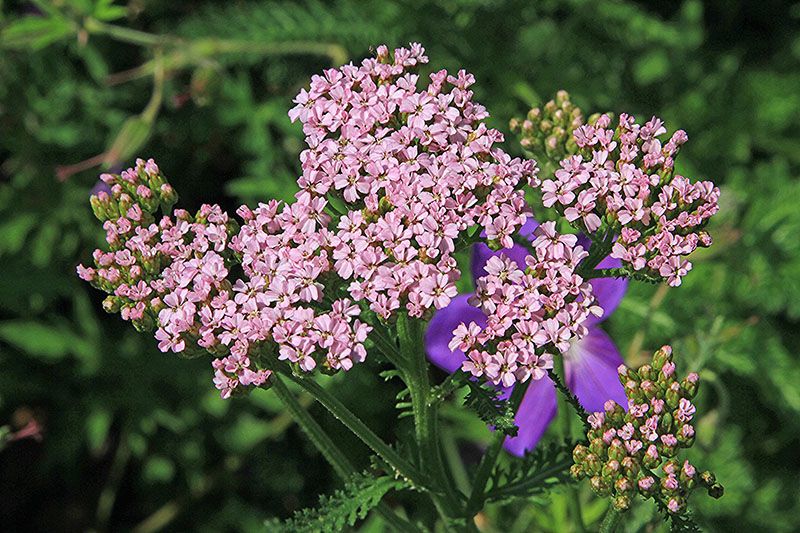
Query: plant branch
x,y
330,451
128,35
607,273
569,397
364,433
478,496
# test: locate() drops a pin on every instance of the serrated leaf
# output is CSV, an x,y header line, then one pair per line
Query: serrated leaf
x,y
488,404
360,494
535,473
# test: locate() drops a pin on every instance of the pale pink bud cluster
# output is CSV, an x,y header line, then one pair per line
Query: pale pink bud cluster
x,y
412,169
626,449
531,314
621,183
172,276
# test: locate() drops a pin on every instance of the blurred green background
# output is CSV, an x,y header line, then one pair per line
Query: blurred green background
x,y
135,439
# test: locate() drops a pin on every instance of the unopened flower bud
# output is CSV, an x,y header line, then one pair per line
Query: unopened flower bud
x,y
622,502
646,483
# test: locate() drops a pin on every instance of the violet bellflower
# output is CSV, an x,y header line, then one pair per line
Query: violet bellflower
x,y
590,364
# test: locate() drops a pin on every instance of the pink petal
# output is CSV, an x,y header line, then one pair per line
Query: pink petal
x,y
440,332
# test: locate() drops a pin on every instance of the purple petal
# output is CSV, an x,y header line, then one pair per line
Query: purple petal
x,y
535,413
440,332
529,227
482,253
591,371
607,291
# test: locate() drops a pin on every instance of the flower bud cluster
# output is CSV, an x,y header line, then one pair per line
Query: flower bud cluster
x,y
531,314
620,182
634,451
169,275
411,169
546,132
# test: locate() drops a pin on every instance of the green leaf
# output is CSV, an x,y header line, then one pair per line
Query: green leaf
x,y
105,10
14,232
158,469
536,473
35,32
485,400
361,493
97,425
36,338
131,137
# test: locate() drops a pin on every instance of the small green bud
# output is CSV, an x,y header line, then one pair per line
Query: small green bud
x,y
622,503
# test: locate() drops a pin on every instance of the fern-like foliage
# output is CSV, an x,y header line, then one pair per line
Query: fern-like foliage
x,y
537,472
683,524
344,507
488,403
349,23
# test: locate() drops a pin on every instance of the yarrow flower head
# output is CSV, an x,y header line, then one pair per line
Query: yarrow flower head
x,y
619,184
634,451
409,171
531,314
590,364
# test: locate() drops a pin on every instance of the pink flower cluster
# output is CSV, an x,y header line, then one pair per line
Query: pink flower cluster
x,y
626,448
285,254
531,314
622,182
171,275
412,170
393,180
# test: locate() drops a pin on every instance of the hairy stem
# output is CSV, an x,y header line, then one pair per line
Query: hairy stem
x,y
330,451
426,424
364,433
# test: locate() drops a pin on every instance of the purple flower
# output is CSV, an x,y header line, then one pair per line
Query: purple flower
x,y
590,364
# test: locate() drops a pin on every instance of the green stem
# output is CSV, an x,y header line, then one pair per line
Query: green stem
x,y
330,451
313,430
478,496
610,521
597,252
364,433
426,425
566,429
607,273
453,458
128,35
